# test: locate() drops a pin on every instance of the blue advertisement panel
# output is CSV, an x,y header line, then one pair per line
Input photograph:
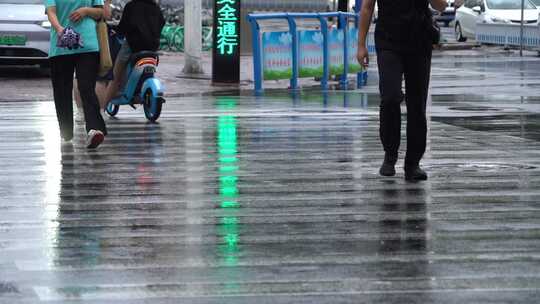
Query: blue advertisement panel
x,y
335,38
354,66
277,55
311,54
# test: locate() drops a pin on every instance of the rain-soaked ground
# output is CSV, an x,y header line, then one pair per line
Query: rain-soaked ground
x,y
276,199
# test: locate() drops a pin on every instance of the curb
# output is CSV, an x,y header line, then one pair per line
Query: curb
x,y
458,46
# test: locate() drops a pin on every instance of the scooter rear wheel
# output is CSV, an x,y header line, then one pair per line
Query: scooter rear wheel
x,y
112,109
148,106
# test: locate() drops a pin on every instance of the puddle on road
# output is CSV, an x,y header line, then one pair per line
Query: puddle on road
x,y
474,108
525,126
504,115
479,167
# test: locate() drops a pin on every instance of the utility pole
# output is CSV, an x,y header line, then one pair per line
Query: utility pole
x,y
343,6
521,28
193,37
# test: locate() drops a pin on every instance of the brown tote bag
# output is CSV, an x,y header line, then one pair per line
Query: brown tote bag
x,y
105,60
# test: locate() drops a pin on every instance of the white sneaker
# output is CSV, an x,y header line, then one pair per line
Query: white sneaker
x,y
95,138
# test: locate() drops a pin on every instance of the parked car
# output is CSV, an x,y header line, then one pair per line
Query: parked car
x,y
537,3
491,11
24,32
447,15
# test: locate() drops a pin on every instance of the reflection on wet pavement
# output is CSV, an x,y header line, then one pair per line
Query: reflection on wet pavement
x,y
272,199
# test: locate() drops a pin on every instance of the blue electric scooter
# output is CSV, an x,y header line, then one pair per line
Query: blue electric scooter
x,y
142,87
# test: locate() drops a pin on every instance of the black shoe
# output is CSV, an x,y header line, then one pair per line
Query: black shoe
x,y
388,166
415,174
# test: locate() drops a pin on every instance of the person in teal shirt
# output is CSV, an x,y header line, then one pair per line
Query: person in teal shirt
x,y
81,16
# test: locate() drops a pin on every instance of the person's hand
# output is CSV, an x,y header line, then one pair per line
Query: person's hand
x,y
363,56
78,14
59,31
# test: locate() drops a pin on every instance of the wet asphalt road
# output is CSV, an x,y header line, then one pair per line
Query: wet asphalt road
x,y
232,198
237,199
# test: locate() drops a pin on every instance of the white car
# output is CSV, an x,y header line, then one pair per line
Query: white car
x,y
491,11
24,32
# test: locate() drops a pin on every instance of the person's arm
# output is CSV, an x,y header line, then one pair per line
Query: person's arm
x,y
439,5
107,13
53,19
95,13
365,20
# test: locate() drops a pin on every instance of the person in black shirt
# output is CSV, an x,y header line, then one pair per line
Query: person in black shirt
x,y
403,41
141,24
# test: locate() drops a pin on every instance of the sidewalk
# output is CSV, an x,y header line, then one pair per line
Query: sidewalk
x,y
29,84
179,84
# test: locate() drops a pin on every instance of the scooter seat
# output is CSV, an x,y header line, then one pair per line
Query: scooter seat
x,y
142,55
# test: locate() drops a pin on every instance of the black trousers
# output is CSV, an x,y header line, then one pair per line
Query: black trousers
x,y
86,66
416,68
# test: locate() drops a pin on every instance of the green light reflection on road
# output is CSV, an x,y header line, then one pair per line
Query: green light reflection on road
x,y
227,151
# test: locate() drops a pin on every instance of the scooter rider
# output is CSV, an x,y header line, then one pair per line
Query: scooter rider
x,y
141,24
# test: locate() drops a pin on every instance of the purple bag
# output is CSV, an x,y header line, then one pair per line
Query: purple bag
x,y
70,39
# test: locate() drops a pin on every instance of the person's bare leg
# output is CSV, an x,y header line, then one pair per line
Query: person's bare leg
x,y
101,92
116,84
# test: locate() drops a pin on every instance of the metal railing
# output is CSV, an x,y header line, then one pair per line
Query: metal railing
x,y
344,20
508,34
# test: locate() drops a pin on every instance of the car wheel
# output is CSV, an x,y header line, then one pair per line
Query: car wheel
x,y
459,33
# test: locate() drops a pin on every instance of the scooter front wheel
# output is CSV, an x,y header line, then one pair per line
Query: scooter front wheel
x,y
112,109
152,106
